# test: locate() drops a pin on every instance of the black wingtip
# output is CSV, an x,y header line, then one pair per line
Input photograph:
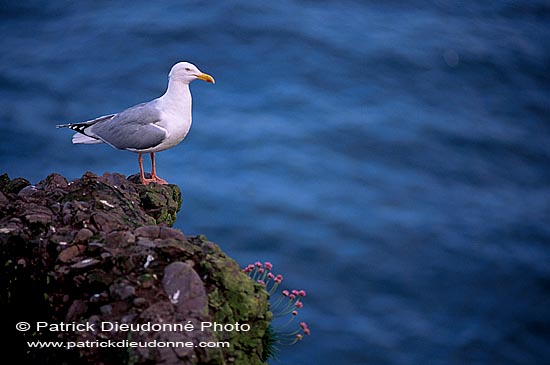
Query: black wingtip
x,y
66,125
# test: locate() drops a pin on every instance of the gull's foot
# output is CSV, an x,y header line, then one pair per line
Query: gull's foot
x,y
147,178
155,178
159,180
145,181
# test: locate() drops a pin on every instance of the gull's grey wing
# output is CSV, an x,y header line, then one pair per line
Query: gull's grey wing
x,y
133,128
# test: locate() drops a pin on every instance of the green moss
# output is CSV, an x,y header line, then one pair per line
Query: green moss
x,y
237,299
161,201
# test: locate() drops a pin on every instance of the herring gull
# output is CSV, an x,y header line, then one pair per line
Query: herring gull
x,y
148,127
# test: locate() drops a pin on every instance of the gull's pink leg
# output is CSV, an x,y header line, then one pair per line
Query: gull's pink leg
x,y
154,171
144,181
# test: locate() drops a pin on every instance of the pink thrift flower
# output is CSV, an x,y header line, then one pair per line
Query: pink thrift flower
x,y
299,304
303,325
292,296
294,313
279,278
307,331
302,293
270,275
299,337
294,291
261,282
261,270
268,265
285,293
258,264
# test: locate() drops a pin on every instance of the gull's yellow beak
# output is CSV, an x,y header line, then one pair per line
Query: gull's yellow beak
x,y
206,77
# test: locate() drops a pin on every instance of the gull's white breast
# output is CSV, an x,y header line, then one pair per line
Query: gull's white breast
x,y
175,118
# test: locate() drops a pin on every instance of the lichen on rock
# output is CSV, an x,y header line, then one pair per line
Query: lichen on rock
x,y
101,250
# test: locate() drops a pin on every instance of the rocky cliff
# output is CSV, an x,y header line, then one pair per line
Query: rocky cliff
x,y
93,265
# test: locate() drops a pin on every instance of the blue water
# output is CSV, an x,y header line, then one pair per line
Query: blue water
x,y
391,159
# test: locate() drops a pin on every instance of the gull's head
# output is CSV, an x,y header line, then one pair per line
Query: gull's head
x,y
186,72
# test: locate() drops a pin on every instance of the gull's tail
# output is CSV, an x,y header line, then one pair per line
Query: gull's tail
x,y
84,134
83,139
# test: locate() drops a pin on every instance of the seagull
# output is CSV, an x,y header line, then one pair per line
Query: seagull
x,y
148,127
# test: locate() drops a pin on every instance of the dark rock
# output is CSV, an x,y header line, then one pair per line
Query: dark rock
x,y
122,291
148,231
3,200
85,263
29,192
36,214
122,238
140,302
118,181
16,185
71,252
76,310
4,181
83,235
106,309
98,249
166,233
184,288
54,182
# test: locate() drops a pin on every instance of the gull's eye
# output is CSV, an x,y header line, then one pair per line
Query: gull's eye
x,y
187,69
